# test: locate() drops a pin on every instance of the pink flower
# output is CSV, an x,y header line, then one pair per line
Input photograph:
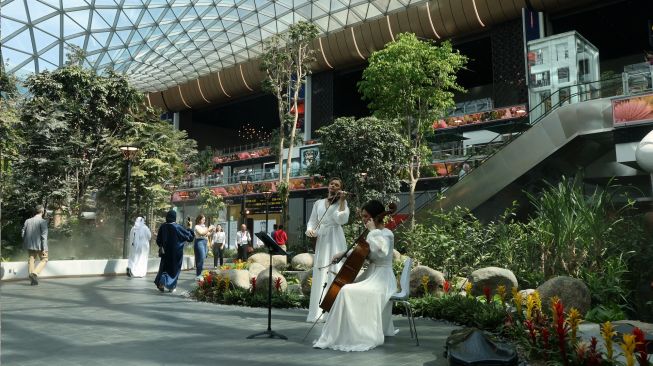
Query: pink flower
x,y
632,110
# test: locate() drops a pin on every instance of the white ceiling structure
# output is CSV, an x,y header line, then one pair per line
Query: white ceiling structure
x,y
161,43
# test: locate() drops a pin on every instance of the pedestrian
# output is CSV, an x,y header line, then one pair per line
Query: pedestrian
x,y
139,254
281,237
242,242
218,246
35,241
171,238
202,234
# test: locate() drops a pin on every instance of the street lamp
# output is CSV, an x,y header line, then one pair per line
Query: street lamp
x,y
128,154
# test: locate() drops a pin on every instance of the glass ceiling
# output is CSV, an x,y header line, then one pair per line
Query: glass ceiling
x,y
162,43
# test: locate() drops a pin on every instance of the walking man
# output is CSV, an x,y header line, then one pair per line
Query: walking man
x,y
35,241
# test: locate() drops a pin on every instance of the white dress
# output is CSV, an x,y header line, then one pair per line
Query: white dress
x,y
362,315
140,249
330,241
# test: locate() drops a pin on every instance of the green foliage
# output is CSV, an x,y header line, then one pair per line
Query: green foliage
x,y
210,204
467,311
601,314
413,81
585,236
202,163
368,145
213,289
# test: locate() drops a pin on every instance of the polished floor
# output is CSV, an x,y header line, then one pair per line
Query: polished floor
x,y
125,321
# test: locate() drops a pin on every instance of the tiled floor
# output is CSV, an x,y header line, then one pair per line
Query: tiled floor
x,y
125,321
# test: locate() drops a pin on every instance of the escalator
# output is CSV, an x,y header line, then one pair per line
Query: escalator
x,y
573,134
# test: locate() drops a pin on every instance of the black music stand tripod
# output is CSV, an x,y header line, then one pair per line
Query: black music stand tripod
x,y
273,248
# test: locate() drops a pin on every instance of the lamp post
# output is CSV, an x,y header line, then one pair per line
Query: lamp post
x,y
128,154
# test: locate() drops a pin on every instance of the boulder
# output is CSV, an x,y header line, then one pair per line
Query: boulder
x,y
396,256
436,280
278,261
571,291
492,277
255,268
238,277
305,279
302,262
262,281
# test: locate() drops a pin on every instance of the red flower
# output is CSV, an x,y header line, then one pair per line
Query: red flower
x,y
446,287
253,281
277,284
488,294
531,330
640,347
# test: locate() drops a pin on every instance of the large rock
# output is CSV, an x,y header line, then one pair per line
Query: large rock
x,y
571,291
238,277
278,261
396,256
255,268
436,280
305,279
262,281
492,277
302,262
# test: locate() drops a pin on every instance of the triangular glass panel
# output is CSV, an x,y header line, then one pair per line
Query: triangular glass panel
x,y
155,13
15,10
79,16
46,65
71,28
132,14
322,23
109,15
77,41
101,38
179,11
52,3
353,18
304,11
42,39
319,11
382,5
13,58
25,70
52,55
99,23
336,6
69,4
123,20
37,10
22,42
361,10
124,34
9,27
50,25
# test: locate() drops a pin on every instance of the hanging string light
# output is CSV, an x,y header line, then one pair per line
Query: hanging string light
x,y
249,133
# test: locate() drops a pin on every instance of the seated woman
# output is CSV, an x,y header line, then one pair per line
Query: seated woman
x,y
362,314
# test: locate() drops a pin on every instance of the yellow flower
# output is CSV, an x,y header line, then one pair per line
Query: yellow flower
x,y
573,319
538,300
530,305
517,298
501,291
468,289
227,282
514,291
628,346
607,332
554,299
425,284
310,281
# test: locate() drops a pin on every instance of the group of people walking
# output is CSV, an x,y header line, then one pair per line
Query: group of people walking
x,y
360,316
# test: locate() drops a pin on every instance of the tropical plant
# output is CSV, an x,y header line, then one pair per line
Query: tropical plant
x,y
286,60
367,154
414,81
210,204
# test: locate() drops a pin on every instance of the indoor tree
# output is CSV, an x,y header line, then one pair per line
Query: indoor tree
x,y
286,61
368,154
413,81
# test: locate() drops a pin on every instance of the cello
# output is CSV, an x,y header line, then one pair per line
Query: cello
x,y
353,264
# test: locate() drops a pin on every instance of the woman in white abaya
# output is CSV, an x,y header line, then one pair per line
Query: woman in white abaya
x,y
140,248
362,314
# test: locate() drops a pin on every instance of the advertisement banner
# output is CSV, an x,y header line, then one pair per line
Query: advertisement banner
x,y
632,110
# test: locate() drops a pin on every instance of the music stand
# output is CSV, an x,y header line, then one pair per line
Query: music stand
x,y
273,248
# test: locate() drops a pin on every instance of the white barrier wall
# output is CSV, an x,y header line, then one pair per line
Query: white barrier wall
x,y
92,267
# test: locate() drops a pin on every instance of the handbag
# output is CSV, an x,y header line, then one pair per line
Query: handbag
x,y
161,251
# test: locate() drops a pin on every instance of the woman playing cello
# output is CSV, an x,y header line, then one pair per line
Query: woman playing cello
x,y
361,314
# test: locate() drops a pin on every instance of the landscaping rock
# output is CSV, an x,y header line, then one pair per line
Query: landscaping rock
x,y
278,261
238,277
302,262
304,278
436,280
262,281
492,277
396,256
256,268
571,291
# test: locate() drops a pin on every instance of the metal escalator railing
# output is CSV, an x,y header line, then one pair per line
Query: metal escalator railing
x,y
578,93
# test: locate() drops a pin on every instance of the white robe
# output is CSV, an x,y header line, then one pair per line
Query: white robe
x,y
330,241
140,249
362,314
